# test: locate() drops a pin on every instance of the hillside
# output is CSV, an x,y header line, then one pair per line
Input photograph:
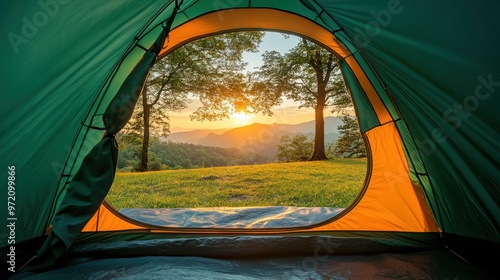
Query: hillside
x,y
193,136
331,124
255,138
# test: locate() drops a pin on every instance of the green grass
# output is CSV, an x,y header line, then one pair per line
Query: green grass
x,y
332,183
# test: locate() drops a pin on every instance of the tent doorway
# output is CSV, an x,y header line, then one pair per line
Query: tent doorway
x,y
246,161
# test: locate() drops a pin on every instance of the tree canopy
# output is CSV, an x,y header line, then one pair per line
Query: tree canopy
x,y
210,69
308,74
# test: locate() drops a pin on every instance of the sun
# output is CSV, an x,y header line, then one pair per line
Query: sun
x,y
240,117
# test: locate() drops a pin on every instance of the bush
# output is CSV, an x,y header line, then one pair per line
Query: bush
x,y
154,165
297,148
126,169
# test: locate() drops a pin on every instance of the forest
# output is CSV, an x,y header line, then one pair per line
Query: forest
x,y
171,155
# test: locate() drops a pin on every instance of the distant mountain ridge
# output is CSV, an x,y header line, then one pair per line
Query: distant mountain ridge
x,y
331,124
256,138
193,136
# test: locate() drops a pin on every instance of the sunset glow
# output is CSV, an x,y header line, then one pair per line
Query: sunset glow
x,y
241,118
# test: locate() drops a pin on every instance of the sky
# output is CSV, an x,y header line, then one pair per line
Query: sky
x,y
288,112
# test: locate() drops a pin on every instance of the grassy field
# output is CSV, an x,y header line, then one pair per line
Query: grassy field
x,y
332,183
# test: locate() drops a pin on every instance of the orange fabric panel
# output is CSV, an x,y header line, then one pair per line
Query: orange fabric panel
x,y
377,104
250,19
392,202
105,220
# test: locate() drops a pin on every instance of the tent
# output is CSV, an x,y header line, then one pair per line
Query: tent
x,y
425,80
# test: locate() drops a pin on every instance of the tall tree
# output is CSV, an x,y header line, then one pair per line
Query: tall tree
x,y
350,144
308,74
209,68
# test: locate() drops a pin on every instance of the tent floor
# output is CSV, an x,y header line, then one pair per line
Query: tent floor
x,y
232,217
416,265
342,255
336,255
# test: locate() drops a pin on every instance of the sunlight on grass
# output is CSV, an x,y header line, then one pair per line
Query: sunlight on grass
x,y
332,183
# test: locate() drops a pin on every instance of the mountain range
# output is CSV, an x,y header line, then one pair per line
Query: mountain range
x,y
255,138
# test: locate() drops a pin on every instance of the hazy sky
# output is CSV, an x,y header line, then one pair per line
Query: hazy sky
x,y
288,112
272,41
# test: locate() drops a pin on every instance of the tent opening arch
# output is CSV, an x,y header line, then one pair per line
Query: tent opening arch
x,y
389,142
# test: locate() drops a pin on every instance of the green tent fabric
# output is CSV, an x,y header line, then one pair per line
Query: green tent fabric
x,y
434,65
92,181
456,119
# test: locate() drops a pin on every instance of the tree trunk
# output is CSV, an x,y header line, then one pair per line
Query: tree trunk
x,y
143,166
319,134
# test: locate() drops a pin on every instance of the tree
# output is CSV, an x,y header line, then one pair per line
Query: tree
x,y
297,148
130,146
350,144
209,68
308,74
